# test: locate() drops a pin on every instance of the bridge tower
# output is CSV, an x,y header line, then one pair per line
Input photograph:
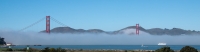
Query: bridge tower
x,y
137,29
47,24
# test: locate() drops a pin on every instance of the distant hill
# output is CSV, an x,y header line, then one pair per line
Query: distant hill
x,y
72,30
173,31
127,30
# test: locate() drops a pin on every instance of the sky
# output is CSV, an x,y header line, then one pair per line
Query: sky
x,y
108,15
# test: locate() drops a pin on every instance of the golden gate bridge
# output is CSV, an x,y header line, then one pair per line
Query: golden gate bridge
x,y
53,19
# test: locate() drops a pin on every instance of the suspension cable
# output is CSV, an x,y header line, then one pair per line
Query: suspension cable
x,y
32,24
53,19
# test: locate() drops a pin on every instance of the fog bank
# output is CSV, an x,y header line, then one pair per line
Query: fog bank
x,y
32,38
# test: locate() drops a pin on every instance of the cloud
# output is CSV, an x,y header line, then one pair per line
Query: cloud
x,y
132,31
32,38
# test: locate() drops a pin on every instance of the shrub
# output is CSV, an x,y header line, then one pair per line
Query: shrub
x,y
9,49
52,50
47,49
188,49
81,50
164,49
125,51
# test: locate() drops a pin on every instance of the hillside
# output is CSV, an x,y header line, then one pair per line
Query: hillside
x,y
127,30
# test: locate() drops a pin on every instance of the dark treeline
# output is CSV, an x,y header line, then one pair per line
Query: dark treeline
x,y
47,49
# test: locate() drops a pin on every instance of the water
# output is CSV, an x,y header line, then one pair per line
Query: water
x,y
116,47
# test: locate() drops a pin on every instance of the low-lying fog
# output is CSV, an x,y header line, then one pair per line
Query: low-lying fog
x,y
32,38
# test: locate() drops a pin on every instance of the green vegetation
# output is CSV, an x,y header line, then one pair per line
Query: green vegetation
x,y
188,49
164,49
47,49
9,49
2,42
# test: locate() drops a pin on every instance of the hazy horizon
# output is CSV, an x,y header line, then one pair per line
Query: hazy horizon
x,y
34,38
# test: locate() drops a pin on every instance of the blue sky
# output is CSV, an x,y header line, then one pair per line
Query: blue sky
x,y
108,15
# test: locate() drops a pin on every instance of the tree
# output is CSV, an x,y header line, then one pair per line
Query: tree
x,y
188,49
45,49
2,42
125,51
9,49
164,49
81,50
52,50
60,50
